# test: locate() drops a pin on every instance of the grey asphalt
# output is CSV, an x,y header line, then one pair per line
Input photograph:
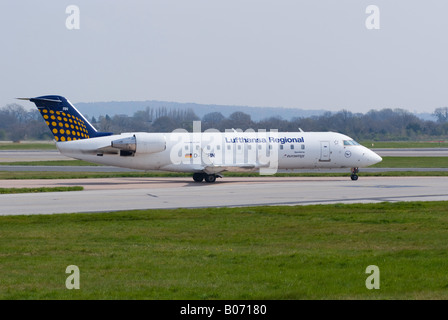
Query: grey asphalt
x,y
162,193
158,193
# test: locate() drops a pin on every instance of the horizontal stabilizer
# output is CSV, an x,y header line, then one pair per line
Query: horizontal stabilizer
x,y
41,99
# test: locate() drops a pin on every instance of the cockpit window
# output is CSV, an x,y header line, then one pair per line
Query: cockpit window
x,y
350,143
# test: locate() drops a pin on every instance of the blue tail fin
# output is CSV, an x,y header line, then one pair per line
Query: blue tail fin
x,y
64,120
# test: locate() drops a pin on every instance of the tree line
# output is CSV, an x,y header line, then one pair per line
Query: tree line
x,y
16,123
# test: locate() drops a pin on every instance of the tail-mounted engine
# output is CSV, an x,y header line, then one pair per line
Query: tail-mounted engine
x,y
140,143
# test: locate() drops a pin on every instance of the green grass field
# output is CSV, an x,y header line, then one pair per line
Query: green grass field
x,y
28,145
51,163
303,252
412,162
35,190
405,144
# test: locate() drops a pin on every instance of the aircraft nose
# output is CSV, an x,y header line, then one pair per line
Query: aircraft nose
x,y
373,158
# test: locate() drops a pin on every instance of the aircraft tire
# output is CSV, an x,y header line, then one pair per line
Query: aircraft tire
x,y
210,178
198,177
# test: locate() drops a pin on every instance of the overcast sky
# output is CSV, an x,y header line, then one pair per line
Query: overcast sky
x,y
311,54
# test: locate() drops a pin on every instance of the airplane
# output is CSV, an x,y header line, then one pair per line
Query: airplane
x,y
204,154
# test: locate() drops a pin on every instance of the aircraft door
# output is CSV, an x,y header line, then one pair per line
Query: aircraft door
x,y
239,153
324,151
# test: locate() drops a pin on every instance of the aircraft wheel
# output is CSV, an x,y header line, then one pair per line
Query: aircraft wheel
x,y
354,177
210,178
198,177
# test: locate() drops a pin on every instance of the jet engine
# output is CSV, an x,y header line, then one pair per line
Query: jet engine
x,y
140,143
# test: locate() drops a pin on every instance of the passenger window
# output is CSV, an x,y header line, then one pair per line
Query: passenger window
x,y
292,147
303,147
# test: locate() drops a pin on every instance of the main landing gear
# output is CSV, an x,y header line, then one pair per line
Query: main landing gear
x,y
354,175
199,176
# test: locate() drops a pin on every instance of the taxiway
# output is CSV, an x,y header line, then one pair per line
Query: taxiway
x,y
115,194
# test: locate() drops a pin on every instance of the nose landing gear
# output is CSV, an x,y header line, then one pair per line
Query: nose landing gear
x,y
354,175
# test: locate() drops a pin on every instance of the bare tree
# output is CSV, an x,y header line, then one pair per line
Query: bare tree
x,y
441,114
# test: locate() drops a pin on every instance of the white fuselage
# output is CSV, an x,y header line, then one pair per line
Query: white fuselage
x,y
213,152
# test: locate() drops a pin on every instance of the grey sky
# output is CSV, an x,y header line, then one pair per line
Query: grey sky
x,y
313,54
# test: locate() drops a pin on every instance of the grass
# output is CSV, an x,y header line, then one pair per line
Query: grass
x,y
303,252
35,190
405,144
51,163
413,162
42,145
